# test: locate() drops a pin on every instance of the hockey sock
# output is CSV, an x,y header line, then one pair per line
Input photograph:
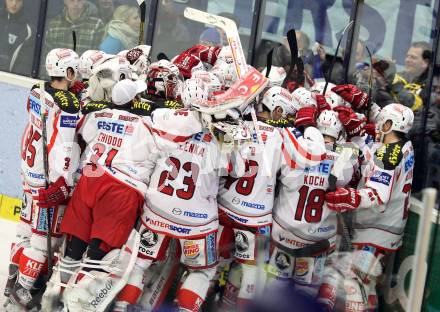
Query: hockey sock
x,y
75,248
31,264
191,295
132,291
247,289
232,288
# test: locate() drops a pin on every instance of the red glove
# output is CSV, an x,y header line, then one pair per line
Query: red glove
x,y
57,193
353,124
77,87
306,116
321,103
370,128
185,62
343,199
192,57
207,54
352,94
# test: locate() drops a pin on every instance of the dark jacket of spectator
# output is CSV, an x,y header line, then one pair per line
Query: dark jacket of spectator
x,y
89,31
16,33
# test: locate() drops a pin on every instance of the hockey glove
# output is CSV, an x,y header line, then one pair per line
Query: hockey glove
x,y
77,87
353,123
306,116
343,199
56,194
370,129
353,95
321,103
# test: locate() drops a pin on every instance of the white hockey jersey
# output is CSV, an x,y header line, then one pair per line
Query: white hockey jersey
x,y
181,200
61,109
249,200
301,214
118,143
385,191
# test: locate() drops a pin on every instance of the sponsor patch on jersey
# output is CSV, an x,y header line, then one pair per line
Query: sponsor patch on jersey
x,y
68,121
241,242
33,175
237,218
409,163
301,267
324,167
34,105
114,127
282,261
252,205
296,133
148,238
191,249
195,215
211,256
170,227
381,177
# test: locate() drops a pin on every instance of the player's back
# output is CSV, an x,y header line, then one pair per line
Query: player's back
x,y
249,200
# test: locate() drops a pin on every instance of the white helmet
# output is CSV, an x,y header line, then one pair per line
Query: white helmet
x,y
59,60
193,88
105,75
329,124
139,58
318,87
401,116
212,82
278,96
88,60
304,97
276,75
331,97
225,72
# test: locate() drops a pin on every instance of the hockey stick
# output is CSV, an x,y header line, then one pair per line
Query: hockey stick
x,y
332,64
370,81
337,172
143,9
269,61
46,176
74,40
293,46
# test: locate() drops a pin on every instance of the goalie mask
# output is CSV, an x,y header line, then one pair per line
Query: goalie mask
x,y
59,60
139,58
329,124
164,79
193,89
105,75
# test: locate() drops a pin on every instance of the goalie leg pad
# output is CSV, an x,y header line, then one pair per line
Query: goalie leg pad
x,y
191,295
94,290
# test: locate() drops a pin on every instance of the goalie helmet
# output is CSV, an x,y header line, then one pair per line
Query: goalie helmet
x,y
139,58
211,81
164,79
105,75
225,72
59,60
304,97
401,116
88,60
278,96
193,89
329,124
276,75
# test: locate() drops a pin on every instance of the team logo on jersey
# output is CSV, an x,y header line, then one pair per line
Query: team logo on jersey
x,y
148,238
241,242
282,261
68,121
191,249
381,177
177,211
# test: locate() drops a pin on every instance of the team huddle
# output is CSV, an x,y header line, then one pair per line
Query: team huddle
x,y
148,169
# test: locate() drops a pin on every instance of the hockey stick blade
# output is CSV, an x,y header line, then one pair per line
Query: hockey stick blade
x,y
162,56
231,31
293,46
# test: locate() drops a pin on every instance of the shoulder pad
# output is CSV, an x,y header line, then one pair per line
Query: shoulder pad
x,y
389,156
141,108
94,106
66,100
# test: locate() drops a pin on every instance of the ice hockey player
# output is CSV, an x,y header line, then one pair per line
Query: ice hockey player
x,y
380,204
304,229
245,204
105,203
29,255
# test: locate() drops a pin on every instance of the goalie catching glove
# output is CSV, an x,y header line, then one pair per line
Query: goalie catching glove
x,y
56,194
353,95
343,199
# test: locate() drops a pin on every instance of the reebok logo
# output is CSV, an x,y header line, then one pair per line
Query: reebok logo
x,y
102,293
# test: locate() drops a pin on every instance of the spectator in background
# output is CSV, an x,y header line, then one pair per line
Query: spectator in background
x,y
122,32
408,86
212,37
106,9
77,16
16,38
